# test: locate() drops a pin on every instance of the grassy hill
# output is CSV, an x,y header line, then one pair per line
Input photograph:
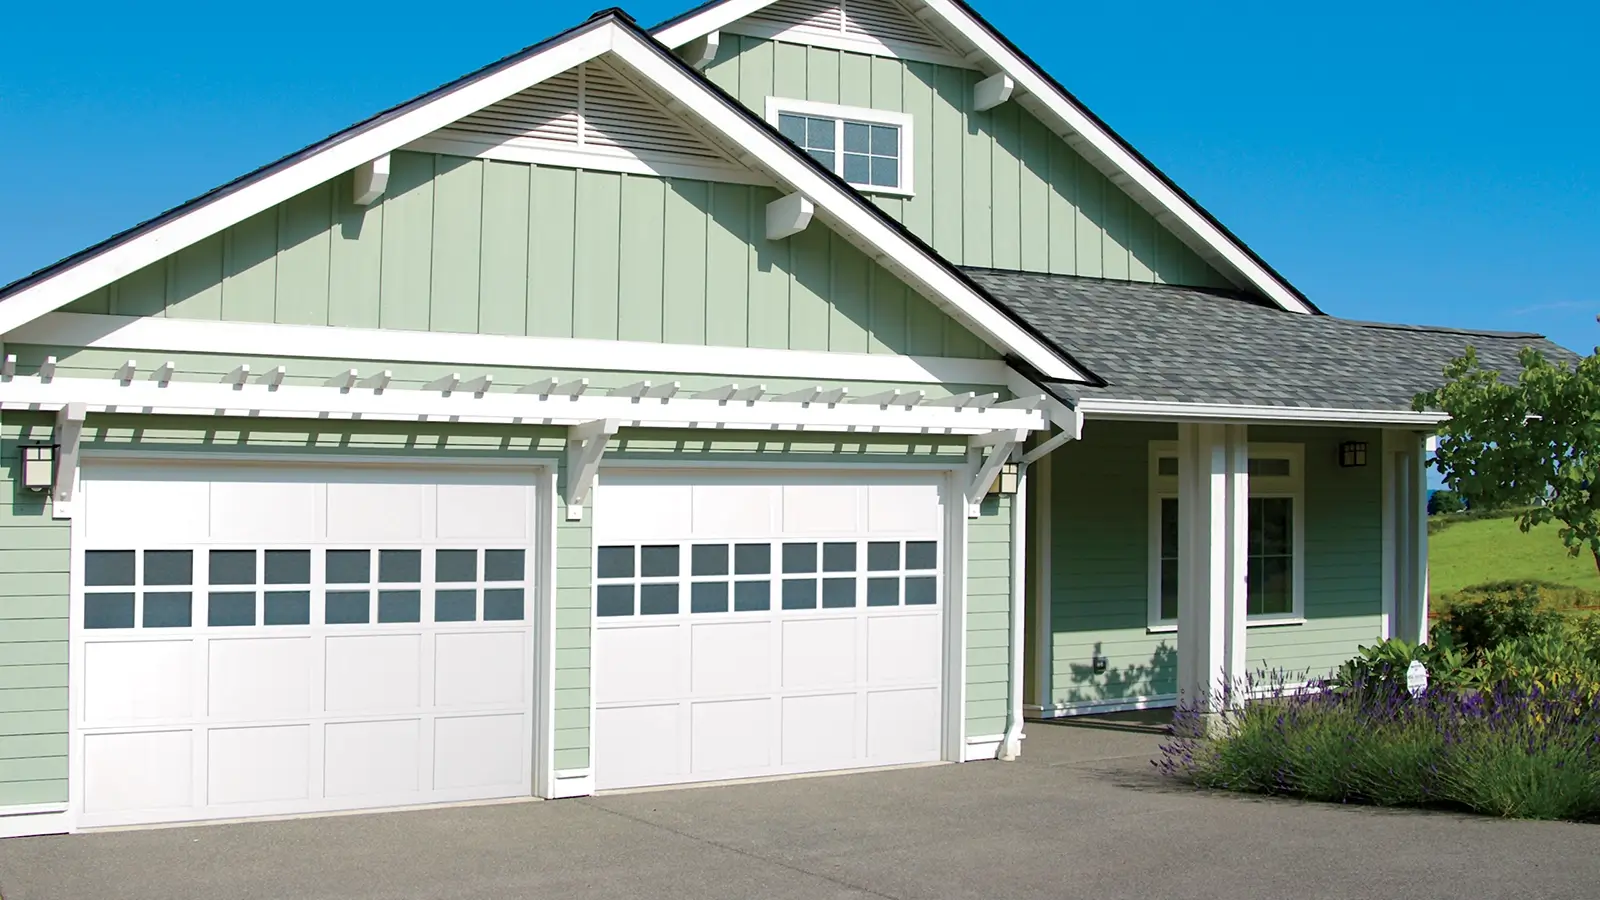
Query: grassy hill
x,y
1481,551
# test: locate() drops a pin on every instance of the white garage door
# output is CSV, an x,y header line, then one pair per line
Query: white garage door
x,y
757,626
252,641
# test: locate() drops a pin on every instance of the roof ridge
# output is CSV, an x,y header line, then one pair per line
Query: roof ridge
x,y
1444,329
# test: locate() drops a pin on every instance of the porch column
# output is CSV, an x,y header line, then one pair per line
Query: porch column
x,y
1213,524
1405,534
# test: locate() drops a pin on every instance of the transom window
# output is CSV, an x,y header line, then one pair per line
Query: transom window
x,y
1274,541
866,147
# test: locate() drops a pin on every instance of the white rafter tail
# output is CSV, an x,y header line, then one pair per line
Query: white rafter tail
x,y
543,387
789,215
47,369
1028,403
163,372
665,391
912,398
345,380
480,385
274,378
983,470
699,52
983,401
956,400
992,91
882,398
586,443
8,369
446,384
372,179
69,430
378,381
721,393
749,394
831,397
575,388
239,375
127,371
636,390
804,395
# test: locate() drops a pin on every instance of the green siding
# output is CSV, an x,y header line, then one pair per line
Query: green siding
x,y
1099,565
992,188
989,618
480,246
34,558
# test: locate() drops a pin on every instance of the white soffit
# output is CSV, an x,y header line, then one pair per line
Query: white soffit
x,y
1034,90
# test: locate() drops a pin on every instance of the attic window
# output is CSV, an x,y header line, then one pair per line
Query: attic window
x,y
868,148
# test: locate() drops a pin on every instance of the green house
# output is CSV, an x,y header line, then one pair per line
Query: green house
x,y
797,386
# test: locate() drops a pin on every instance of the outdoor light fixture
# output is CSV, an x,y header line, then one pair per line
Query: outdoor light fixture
x,y
1352,454
38,466
1006,481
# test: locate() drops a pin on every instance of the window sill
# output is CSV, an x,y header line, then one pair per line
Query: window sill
x,y
885,191
1172,628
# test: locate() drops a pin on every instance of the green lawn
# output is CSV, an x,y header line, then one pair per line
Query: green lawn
x,y
1485,550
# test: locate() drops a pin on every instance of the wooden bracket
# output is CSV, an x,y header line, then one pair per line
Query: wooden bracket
x,y
586,443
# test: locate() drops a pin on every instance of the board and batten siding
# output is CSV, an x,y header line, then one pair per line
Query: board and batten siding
x,y
1100,546
491,247
35,553
993,188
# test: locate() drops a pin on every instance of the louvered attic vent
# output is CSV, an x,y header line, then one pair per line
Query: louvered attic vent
x,y
877,26
590,110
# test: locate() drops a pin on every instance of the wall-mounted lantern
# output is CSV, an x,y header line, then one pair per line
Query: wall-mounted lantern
x,y
1006,481
39,466
1352,454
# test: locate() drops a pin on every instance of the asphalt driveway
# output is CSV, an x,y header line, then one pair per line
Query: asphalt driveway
x,y
1081,816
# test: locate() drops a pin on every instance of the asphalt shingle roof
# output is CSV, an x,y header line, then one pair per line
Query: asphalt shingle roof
x,y
1169,343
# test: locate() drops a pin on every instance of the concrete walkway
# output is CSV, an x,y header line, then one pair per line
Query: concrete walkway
x,y
1081,816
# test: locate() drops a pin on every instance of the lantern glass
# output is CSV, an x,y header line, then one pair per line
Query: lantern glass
x,y
1006,481
1353,454
38,466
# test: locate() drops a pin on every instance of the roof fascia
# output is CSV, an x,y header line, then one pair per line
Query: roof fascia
x,y
1108,409
1180,211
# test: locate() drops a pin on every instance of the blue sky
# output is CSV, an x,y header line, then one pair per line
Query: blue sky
x,y
1423,162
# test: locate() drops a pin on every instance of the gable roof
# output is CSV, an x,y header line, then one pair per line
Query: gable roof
x,y
1156,343
837,204
1084,131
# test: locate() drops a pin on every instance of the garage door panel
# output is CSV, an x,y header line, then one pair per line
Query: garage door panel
x,y
260,678
642,512
478,751
902,648
376,512
483,512
637,745
731,736
731,658
164,761
819,730
473,670
819,653
133,681
898,724
179,511
371,759
258,764
263,511
373,673
821,509
732,510
903,509
641,662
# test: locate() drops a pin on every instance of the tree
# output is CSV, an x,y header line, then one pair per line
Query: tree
x,y
1533,443
1441,502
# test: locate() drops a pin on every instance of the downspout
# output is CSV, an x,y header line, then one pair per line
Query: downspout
x,y
1072,422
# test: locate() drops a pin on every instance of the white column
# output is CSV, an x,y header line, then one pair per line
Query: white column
x,y
1213,527
1405,534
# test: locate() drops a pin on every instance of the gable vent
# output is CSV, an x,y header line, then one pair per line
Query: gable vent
x,y
593,110
883,27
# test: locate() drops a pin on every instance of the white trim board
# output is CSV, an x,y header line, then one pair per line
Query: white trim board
x,y
1036,92
840,207
907,154
1148,410
157,334
635,164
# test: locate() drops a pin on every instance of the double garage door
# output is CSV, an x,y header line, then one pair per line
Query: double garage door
x,y
264,641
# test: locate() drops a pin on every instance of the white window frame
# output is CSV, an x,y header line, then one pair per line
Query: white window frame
x,y
902,121
1291,486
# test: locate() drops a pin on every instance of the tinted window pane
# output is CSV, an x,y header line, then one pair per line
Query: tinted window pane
x,y
288,567
1169,589
885,140
169,609
286,608
857,137
455,606
658,599
455,565
614,562
399,566
922,591
922,555
224,608
399,606
883,592
857,168
1275,525
232,567
800,593
108,611
503,565
750,596
169,567
799,557
709,597
839,557
349,567
792,127
1268,468
614,600
1271,585
819,133
502,605
658,561
752,559
838,593
885,172
709,559
108,567
347,608
1169,528
1167,466
883,556
823,156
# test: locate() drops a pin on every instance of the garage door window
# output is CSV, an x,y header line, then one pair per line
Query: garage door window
x,y
153,588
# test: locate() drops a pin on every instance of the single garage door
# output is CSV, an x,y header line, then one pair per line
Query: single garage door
x,y
256,641
757,625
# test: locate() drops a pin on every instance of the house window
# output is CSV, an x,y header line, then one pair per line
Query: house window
x,y
868,148
1275,546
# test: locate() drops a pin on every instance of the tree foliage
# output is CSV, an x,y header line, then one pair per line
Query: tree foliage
x,y
1442,502
1533,443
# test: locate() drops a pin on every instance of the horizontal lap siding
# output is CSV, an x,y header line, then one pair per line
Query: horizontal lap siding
x,y
490,247
989,618
992,188
35,555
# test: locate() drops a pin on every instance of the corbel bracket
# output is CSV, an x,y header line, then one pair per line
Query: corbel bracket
x,y
69,432
982,470
586,443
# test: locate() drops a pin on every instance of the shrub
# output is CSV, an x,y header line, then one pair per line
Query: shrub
x,y
1504,612
1440,502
